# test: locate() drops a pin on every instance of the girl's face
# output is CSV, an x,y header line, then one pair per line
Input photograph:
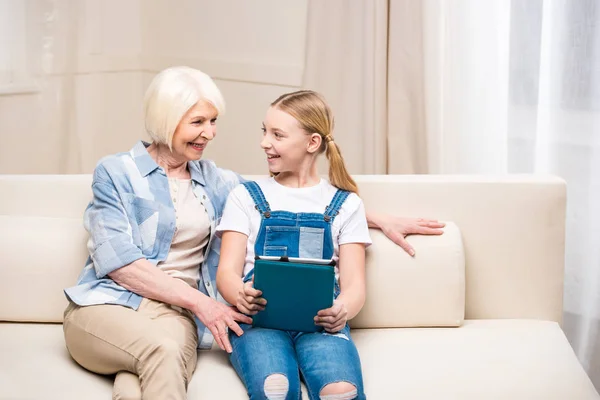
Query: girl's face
x,y
287,145
196,128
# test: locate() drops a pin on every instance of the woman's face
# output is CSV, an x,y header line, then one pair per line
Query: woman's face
x,y
285,143
195,130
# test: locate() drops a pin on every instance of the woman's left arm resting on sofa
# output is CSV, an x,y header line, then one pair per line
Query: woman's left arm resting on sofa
x,y
397,228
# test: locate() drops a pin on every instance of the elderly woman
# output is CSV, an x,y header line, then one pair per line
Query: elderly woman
x,y
146,299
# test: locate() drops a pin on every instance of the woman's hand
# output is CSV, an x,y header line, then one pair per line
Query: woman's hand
x,y
248,299
333,319
217,317
398,228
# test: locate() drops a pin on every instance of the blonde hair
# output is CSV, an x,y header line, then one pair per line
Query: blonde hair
x,y
171,94
314,116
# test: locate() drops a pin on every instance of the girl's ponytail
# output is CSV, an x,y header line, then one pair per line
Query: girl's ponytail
x,y
338,174
314,116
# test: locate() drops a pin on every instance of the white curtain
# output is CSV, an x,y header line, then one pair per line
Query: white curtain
x,y
514,87
346,61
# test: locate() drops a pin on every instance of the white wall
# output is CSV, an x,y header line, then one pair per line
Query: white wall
x,y
83,96
254,50
89,62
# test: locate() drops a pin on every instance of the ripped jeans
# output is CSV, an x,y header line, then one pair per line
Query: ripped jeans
x,y
320,358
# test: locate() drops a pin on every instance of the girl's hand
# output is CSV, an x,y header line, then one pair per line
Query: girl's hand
x,y
333,319
248,300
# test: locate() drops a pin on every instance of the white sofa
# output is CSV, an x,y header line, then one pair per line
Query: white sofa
x,y
475,315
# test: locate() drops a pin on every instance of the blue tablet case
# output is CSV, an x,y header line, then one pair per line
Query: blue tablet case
x,y
295,292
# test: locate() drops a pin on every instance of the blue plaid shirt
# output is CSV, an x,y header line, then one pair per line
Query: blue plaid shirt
x,y
131,216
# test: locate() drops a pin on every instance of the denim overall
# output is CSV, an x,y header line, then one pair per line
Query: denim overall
x,y
321,358
288,234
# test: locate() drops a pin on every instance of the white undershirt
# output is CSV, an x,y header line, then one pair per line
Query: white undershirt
x,y
191,236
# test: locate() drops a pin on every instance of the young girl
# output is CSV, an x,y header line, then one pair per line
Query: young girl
x,y
330,223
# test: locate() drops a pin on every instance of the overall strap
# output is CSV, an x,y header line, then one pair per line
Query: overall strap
x,y
260,203
333,208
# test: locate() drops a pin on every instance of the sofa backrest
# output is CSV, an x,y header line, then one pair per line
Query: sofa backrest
x,y
511,228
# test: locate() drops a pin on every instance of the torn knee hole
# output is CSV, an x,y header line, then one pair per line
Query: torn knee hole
x,y
339,391
276,387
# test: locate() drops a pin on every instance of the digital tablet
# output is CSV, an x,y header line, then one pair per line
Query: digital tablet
x,y
295,290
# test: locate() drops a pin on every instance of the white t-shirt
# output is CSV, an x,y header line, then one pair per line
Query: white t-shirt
x,y
240,215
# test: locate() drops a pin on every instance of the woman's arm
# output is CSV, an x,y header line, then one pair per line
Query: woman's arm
x,y
397,228
229,275
145,279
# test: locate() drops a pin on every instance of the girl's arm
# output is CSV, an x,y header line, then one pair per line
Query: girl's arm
x,y
352,278
229,275
231,265
352,289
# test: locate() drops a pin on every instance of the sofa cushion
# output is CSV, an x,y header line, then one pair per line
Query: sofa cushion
x,y
35,364
425,290
40,257
483,359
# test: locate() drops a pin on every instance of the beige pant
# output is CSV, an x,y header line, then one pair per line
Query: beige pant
x,y
155,343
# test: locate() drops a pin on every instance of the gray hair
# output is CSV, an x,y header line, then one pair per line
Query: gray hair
x,y
171,94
